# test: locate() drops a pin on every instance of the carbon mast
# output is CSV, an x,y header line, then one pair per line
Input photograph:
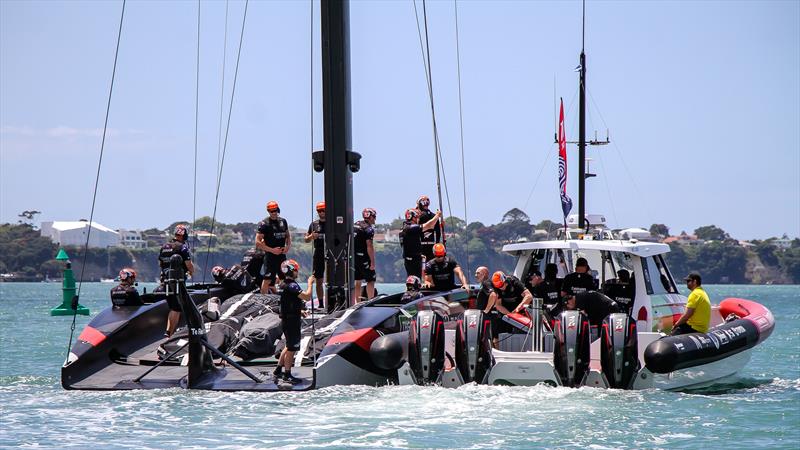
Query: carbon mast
x,y
337,160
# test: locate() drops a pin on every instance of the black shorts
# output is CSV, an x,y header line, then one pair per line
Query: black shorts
x,y
427,251
413,265
272,267
683,329
363,271
494,318
319,265
173,303
291,331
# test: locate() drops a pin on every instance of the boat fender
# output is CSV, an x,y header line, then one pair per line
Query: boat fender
x,y
672,353
389,352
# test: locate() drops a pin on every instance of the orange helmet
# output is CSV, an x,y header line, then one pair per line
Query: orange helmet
x,y
439,250
423,201
180,230
127,274
369,212
320,206
290,266
272,205
498,279
411,213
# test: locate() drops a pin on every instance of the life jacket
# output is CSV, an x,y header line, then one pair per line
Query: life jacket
x,y
167,251
125,295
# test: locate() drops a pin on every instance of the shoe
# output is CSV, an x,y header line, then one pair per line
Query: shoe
x,y
289,378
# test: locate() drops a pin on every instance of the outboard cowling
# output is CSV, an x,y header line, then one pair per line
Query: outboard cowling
x,y
571,353
426,346
473,346
619,350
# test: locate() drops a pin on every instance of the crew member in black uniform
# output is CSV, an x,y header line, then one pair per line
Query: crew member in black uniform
x,y
549,290
596,306
621,291
579,281
273,237
440,272
293,309
413,287
482,301
236,280
125,294
176,246
509,292
411,240
534,279
316,232
364,258
432,236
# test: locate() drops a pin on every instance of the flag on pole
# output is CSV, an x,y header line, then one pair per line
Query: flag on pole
x,y
566,202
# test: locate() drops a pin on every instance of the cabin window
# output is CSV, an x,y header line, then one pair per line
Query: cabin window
x,y
657,279
535,261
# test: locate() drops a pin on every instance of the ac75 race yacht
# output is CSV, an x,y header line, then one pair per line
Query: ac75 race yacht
x,y
229,338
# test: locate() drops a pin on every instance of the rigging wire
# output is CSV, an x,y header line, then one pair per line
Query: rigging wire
x,y
196,120
222,89
97,178
440,175
461,135
227,130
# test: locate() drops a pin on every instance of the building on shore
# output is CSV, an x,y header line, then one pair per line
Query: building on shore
x,y
75,232
131,238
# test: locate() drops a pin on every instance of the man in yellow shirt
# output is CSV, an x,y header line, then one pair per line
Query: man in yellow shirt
x,y
698,309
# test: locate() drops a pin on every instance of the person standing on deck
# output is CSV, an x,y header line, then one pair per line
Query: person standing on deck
x,y
698,309
509,293
273,237
482,301
432,235
293,304
411,240
364,260
176,246
316,233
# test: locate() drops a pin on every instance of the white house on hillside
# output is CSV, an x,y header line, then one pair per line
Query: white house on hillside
x,y
131,238
74,233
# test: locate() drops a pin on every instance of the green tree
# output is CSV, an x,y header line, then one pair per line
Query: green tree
x,y
659,230
711,233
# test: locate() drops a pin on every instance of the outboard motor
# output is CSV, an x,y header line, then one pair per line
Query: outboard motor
x,y
571,353
426,346
619,350
473,346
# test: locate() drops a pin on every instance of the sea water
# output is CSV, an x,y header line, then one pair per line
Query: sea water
x,y
758,408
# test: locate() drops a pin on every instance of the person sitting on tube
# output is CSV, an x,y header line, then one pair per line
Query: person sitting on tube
x,y
698,309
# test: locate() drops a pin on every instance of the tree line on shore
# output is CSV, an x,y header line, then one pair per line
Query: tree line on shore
x,y
29,256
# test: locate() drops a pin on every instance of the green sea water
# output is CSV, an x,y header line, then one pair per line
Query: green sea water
x,y
759,408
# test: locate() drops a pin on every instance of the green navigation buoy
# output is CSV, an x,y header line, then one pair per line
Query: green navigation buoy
x,y
68,291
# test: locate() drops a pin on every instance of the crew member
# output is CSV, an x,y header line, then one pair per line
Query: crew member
x,y
579,281
621,290
273,237
698,308
509,292
236,279
413,287
364,259
596,306
293,308
125,294
411,240
176,246
482,301
432,236
534,278
316,232
548,289
440,272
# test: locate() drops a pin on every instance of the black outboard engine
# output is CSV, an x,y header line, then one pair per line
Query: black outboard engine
x,y
473,346
571,353
619,350
426,347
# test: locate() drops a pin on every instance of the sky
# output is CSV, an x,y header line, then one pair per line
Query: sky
x,y
701,101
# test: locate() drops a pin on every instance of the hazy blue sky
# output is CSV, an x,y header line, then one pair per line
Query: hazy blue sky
x,y
702,100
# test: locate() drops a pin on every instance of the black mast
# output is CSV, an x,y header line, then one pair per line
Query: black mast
x,y
338,162
582,131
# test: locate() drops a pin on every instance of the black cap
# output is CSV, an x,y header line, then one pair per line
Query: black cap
x,y
693,276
